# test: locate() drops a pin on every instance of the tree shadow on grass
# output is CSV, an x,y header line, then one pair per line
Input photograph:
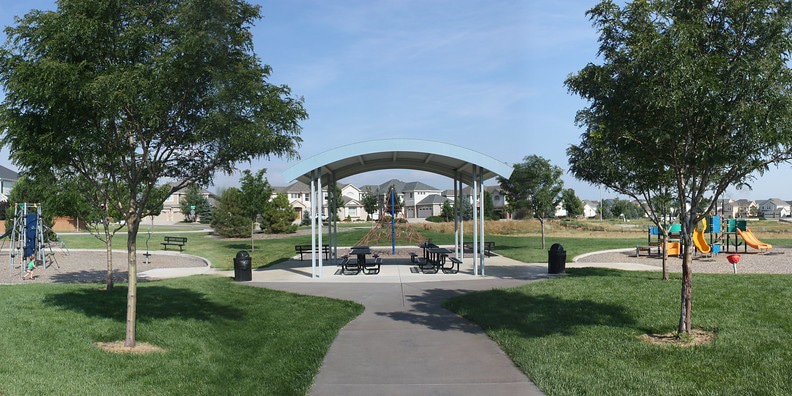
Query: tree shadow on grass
x,y
511,310
537,315
153,302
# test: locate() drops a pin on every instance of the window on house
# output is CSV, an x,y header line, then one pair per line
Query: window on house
x,y
352,211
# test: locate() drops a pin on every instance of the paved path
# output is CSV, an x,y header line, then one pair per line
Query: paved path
x,y
405,343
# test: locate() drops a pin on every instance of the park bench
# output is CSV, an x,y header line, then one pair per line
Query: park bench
x,y
306,249
488,247
174,241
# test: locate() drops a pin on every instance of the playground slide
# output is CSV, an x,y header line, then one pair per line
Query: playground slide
x,y
751,240
700,242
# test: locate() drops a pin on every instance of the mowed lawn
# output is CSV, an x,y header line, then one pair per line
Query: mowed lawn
x,y
580,334
218,338
576,334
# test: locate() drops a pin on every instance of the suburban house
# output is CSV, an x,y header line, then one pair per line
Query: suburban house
x,y
299,196
590,208
740,208
7,180
775,208
171,208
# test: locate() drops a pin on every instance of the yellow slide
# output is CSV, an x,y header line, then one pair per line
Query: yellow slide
x,y
752,241
698,238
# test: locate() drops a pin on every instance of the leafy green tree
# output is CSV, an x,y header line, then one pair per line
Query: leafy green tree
x,y
488,207
447,211
624,209
256,193
306,218
691,95
229,218
135,92
280,216
193,203
535,186
334,201
572,204
370,202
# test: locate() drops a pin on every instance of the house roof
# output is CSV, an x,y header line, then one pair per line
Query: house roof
x,y
8,174
441,158
776,202
432,199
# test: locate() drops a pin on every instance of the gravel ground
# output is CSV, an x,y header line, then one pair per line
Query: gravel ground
x,y
91,266
776,261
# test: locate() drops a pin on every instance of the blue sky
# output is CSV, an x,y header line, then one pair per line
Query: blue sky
x,y
483,74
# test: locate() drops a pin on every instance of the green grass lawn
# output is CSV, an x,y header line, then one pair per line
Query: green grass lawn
x,y
578,334
219,338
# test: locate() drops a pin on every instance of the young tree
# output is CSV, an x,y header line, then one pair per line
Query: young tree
x,y
193,203
572,204
370,202
134,92
256,193
279,217
447,211
694,96
535,185
230,218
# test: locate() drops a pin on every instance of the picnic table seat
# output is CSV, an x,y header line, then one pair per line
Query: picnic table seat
x,y
372,268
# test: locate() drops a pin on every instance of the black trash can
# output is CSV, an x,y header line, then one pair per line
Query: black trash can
x,y
242,270
556,259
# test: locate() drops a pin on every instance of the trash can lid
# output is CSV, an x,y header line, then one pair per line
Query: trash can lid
x,y
242,254
556,248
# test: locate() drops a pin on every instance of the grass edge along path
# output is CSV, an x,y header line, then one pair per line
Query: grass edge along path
x,y
579,334
218,337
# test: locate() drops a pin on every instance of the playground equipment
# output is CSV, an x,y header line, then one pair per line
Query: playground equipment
x,y
698,238
752,241
28,237
733,259
674,246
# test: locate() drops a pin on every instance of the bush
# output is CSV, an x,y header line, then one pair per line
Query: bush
x,y
435,219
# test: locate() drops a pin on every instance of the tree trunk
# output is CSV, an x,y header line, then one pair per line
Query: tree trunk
x,y
109,248
133,223
686,308
541,222
665,255
252,231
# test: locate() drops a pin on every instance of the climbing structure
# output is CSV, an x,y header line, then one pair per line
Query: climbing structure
x,y
390,229
28,236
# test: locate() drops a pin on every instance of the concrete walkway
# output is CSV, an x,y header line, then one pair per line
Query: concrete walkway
x,y
405,342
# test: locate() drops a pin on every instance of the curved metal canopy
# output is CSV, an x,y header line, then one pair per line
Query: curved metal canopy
x,y
415,154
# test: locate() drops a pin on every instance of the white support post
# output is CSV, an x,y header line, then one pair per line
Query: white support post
x,y
457,246
475,222
320,225
481,214
313,224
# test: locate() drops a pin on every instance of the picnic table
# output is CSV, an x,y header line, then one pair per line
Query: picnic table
x,y
437,257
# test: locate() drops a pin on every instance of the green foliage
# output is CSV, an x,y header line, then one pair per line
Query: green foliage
x,y
447,211
194,197
621,208
436,219
370,202
256,193
535,186
306,218
690,99
229,218
280,216
572,204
